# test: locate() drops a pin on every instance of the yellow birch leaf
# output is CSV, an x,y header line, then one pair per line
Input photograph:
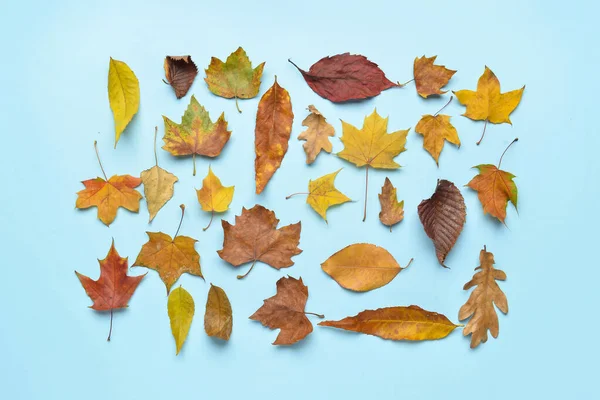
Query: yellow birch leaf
x,y
123,95
181,312
213,196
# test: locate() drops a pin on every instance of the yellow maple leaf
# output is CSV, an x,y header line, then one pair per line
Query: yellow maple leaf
x,y
435,129
487,103
213,196
372,146
323,194
123,95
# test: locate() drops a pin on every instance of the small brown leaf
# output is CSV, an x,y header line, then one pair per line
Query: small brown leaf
x,y
430,78
480,305
180,72
218,319
443,217
285,311
317,135
392,211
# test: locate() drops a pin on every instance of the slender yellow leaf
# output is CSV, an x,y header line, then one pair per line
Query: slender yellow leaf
x,y
123,95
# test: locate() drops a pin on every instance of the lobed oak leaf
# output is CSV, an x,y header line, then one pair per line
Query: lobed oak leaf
x,y
255,237
397,323
213,196
362,267
345,77
180,72
480,306
285,311
272,132
430,78
392,210
170,257
234,77
317,135
435,129
180,308
372,146
487,103
323,194
218,319
114,288
443,216
123,95
197,134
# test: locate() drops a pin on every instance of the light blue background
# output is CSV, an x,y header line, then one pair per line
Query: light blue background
x,y
53,79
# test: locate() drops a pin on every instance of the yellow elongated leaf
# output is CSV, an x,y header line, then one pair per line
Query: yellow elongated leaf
x,y
362,267
397,323
181,312
218,319
123,95
213,196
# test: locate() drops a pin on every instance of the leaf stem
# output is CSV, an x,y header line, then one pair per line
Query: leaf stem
x,y
507,147
237,105
194,161
294,194
98,157
291,62
408,265
110,329
405,83
155,134
440,110
165,82
212,214
366,188
182,206
483,134
247,272
315,314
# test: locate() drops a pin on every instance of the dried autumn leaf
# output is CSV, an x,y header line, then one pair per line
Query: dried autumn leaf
x,y
362,267
123,95
197,134
180,307
443,217
255,237
170,257
180,72
273,128
158,185
430,78
218,319
392,210
285,311
345,77
234,77
372,146
323,194
317,134
487,103
435,129
109,194
213,196
114,288
495,188
480,306
397,323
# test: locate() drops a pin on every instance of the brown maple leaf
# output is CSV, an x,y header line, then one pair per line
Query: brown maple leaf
x,y
480,305
255,237
285,311
443,217
180,72
170,257
114,288
430,78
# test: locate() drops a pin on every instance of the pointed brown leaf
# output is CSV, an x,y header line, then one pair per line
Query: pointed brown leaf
x,y
480,306
443,217
392,210
345,77
218,319
273,128
285,311
180,72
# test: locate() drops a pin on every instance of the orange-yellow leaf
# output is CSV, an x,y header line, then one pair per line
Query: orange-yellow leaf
x,y
430,78
213,196
435,129
494,188
317,135
392,210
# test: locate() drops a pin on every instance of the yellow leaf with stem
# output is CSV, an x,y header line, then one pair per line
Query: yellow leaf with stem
x,y
213,196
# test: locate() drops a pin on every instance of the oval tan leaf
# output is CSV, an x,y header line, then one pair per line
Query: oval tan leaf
x,y
218,319
362,267
397,323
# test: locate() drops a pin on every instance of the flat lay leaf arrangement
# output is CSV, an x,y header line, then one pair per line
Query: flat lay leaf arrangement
x,y
256,235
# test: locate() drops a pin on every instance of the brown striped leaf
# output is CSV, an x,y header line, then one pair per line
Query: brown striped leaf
x,y
180,72
362,267
218,319
397,323
443,217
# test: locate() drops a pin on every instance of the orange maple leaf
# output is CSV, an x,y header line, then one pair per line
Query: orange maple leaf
x,y
430,78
